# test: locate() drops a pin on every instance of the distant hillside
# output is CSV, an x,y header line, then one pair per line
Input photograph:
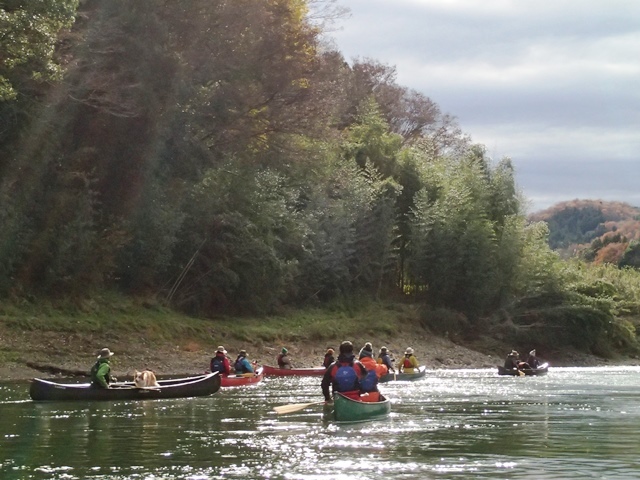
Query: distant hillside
x,y
595,230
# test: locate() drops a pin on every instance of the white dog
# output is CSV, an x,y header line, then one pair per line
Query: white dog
x,y
145,379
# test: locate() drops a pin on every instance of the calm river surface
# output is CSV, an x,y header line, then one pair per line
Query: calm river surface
x,y
577,423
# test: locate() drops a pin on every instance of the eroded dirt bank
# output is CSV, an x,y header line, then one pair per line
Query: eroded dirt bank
x,y
190,356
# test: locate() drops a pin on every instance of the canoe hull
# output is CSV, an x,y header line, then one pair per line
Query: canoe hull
x,y
270,371
240,380
405,377
198,386
348,410
541,370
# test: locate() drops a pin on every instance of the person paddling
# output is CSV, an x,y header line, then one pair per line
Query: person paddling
x,y
242,365
283,359
385,359
101,370
409,363
220,362
512,362
328,358
533,359
374,370
344,375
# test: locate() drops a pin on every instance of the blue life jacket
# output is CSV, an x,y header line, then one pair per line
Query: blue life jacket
x,y
217,364
370,382
239,365
346,378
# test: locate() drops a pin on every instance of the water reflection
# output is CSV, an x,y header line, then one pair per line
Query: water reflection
x,y
452,424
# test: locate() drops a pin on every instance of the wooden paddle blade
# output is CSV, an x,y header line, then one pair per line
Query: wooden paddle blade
x,y
294,407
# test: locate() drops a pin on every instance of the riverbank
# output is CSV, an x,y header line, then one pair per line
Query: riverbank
x,y
65,337
185,356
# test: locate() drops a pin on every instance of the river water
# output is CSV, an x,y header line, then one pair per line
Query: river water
x,y
578,423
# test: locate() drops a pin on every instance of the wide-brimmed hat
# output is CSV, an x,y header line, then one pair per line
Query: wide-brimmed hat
x,y
221,349
105,353
408,351
383,349
514,353
243,352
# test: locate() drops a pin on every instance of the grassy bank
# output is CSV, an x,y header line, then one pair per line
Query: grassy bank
x,y
108,315
146,334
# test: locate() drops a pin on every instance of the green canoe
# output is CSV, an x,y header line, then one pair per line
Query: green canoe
x,y
347,410
392,377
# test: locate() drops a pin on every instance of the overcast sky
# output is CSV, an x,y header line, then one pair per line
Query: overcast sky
x,y
553,84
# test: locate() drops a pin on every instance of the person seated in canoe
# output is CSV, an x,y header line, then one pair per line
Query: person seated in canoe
x,y
366,351
283,359
328,358
220,362
242,365
512,362
344,375
369,384
385,359
366,358
101,370
409,363
533,360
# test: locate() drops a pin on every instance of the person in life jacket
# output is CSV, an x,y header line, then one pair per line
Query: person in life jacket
x,y
366,351
220,362
366,358
328,358
344,375
409,363
385,359
369,384
101,370
242,365
283,359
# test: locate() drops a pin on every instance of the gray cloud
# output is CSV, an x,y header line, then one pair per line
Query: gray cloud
x,y
552,84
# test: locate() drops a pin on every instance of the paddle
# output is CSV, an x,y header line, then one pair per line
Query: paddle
x,y
132,387
294,407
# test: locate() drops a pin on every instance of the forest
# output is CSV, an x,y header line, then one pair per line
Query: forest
x,y
594,230
224,158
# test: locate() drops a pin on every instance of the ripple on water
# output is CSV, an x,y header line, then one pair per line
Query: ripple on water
x,y
573,423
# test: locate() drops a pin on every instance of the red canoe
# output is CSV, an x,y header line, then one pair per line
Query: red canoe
x,y
285,372
244,379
